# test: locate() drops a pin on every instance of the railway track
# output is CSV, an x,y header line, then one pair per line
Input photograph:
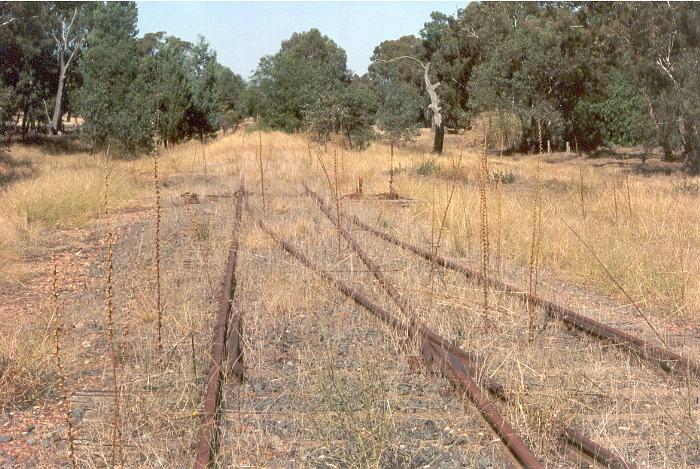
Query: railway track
x,y
450,352
666,359
452,365
459,366
226,351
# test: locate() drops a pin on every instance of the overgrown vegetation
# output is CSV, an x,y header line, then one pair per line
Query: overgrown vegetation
x,y
132,93
26,373
593,74
518,74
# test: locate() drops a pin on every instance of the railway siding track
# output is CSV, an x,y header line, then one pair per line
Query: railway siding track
x,y
668,360
460,361
458,366
226,344
434,352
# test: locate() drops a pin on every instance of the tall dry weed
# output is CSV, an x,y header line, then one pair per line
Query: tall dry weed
x,y
484,225
156,241
262,169
62,385
116,452
535,246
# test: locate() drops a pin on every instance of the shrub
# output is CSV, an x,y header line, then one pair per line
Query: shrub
x,y
504,177
25,371
428,167
688,187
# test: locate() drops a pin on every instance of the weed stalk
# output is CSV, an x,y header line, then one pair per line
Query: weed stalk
x,y
109,296
391,170
262,170
336,195
614,186
534,247
436,245
159,309
59,365
616,282
484,216
499,225
581,190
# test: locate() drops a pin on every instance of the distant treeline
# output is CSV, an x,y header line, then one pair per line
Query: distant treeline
x,y
84,59
590,74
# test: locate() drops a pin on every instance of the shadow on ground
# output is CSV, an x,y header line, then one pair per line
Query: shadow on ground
x,y
12,170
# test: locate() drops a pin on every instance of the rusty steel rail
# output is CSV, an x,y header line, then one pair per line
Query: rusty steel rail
x,y
454,367
594,450
208,442
668,360
414,321
234,347
460,362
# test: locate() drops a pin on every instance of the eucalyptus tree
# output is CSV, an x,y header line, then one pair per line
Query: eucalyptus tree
x,y
659,43
27,72
115,99
229,90
287,83
348,111
69,26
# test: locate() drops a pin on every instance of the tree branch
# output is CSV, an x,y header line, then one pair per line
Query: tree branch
x,y
78,46
46,110
401,57
75,14
470,32
666,68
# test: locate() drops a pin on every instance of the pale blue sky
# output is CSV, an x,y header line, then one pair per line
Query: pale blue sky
x,y
243,32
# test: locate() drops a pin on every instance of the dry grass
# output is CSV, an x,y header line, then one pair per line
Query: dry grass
x,y
65,190
26,369
645,228
328,385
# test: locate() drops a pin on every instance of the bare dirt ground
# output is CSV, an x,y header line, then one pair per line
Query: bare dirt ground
x,y
327,384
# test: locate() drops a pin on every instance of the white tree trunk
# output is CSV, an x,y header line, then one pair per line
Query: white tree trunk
x,y
58,102
435,110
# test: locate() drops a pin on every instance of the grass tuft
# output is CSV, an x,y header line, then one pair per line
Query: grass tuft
x,y
428,167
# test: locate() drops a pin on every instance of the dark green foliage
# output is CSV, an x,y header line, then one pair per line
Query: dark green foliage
x,y
194,94
307,86
323,116
205,116
130,91
5,115
230,92
447,44
360,100
114,99
399,111
504,176
594,73
346,110
27,66
533,73
175,109
308,68
688,187
385,69
616,117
